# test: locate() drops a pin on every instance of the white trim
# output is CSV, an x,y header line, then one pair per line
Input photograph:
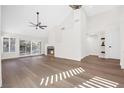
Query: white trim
x,y
122,66
0,83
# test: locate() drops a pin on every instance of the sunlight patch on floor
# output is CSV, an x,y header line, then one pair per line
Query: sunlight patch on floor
x,y
61,76
98,82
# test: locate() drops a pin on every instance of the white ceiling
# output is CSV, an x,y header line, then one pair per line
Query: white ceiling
x,y
16,18
92,10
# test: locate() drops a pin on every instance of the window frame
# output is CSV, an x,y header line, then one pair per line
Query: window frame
x,y
3,45
9,46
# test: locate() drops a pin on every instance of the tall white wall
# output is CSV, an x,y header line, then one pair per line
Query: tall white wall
x,y
112,38
70,45
0,51
88,26
103,21
83,19
107,22
68,41
92,45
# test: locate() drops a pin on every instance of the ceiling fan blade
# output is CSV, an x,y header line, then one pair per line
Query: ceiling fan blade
x,y
39,23
43,26
33,24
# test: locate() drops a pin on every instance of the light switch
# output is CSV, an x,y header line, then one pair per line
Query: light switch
x,y
110,46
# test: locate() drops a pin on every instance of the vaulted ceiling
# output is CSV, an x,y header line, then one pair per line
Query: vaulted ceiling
x,y
16,18
92,10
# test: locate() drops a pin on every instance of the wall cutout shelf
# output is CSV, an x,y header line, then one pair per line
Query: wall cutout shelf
x,y
102,38
103,52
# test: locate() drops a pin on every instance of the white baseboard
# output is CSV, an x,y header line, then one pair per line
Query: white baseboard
x,y
122,66
0,84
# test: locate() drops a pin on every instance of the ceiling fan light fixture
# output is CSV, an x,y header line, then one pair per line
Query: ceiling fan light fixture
x,y
74,7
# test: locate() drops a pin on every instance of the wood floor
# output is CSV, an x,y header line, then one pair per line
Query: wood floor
x,y
49,72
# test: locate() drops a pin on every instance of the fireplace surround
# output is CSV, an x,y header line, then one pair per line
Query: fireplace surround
x,y
50,50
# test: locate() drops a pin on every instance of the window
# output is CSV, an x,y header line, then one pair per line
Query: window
x,y
36,47
28,47
39,47
12,44
5,44
22,46
25,47
9,44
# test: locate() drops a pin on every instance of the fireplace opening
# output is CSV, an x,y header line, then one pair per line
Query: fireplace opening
x,y
50,50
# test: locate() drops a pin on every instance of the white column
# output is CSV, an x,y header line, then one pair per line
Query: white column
x,y
0,51
122,46
122,36
83,26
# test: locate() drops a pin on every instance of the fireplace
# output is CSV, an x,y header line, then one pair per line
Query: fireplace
x,y
50,50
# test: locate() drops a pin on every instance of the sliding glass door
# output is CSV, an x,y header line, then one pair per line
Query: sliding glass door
x,y
25,47
29,48
36,47
12,44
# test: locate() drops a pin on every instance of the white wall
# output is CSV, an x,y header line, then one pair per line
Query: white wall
x,y
112,38
107,22
0,51
83,35
93,45
88,25
70,46
68,42
103,21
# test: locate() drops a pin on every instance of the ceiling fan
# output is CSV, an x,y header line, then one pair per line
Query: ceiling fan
x,y
38,24
74,7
